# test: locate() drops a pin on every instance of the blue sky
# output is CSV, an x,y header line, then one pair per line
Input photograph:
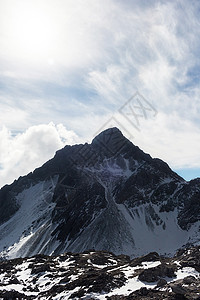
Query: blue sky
x,y
67,67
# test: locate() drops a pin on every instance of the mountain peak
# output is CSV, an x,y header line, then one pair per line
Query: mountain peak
x,y
109,132
110,140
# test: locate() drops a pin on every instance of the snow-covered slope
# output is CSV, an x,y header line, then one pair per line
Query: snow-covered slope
x,y
108,195
102,275
27,232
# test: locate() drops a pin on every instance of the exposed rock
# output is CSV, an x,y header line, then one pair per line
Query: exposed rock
x,y
189,280
161,282
12,295
154,274
178,289
89,274
153,256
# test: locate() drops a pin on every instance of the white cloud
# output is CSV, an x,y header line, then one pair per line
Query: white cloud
x,y
41,39
172,139
150,53
99,53
24,152
156,47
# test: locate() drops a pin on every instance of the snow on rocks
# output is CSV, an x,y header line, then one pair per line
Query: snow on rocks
x,y
102,275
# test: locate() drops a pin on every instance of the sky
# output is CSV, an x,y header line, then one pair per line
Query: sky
x,y
69,69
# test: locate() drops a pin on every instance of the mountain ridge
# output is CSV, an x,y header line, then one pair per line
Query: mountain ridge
x,y
104,196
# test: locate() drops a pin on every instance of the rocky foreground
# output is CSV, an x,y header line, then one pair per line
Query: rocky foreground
x,y
102,275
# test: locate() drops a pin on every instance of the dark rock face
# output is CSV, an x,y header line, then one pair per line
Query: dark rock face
x,y
190,258
189,198
153,256
161,282
100,196
155,274
90,275
82,212
7,203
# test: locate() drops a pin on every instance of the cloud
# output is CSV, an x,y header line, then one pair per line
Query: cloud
x,y
155,52
99,53
24,152
41,40
152,51
172,139
13,115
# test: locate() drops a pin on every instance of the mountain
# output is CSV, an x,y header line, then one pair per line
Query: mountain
x,y
108,195
102,275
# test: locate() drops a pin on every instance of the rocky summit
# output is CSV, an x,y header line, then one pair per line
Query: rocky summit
x,y
102,275
107,196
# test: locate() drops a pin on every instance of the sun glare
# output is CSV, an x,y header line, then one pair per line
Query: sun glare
x,y
40,35
32,32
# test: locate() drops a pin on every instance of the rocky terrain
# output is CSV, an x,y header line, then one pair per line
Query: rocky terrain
x,y
108,195
102,275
